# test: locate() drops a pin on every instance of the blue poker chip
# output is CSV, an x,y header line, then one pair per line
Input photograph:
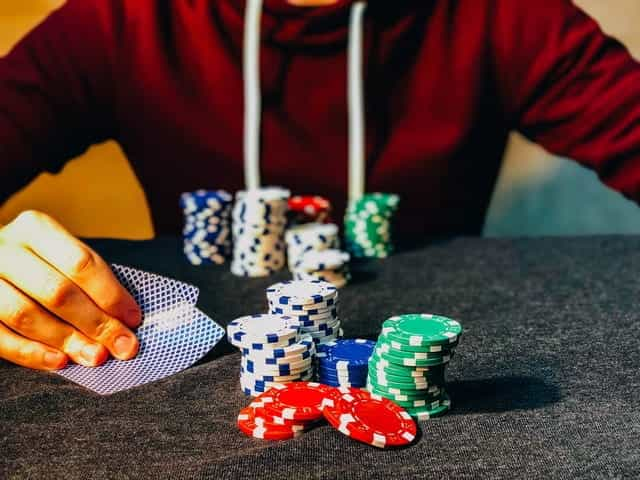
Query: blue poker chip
x,y
346,375
329,378
346,353
333,383
353,370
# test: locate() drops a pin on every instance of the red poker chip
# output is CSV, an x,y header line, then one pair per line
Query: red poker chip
x,y
296,400
313,207
260,412
370,418
258,427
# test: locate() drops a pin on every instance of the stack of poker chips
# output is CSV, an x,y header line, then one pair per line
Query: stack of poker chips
x,y
309,237
314,304
409,361
327,265
367,225
286,411
273,351
206,232
312,252
304,209
344,363
259,222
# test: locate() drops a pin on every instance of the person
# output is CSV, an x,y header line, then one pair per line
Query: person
x,y
444,83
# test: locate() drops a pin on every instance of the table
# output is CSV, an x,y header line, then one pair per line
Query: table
x,y
545,383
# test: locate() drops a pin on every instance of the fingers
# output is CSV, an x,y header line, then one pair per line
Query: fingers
x,y
28,353
75,260
63,298
29,320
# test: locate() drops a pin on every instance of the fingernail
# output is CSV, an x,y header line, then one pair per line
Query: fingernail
x,y
54,360
134,317
125,345
90,353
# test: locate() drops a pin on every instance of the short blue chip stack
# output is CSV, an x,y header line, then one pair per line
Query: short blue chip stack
x,y
344,363
207,229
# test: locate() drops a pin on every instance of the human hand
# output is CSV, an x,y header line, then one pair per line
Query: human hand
x,y
59,300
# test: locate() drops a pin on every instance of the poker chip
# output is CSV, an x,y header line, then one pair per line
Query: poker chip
x,y
260,378
331,266
302,293
259,220
270,329
368,225
426,413
422,329
206,231
261,428
314,304
370,418
302,346
403,347
304,209
257,367
309,237
297,401
344,362
273,351
408,363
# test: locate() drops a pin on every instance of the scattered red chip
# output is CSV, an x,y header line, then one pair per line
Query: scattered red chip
x,y
260,412
257,427
296,400
370,419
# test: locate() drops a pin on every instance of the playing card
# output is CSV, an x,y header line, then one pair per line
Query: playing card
x,y
173,335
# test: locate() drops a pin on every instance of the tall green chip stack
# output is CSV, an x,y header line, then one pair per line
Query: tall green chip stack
x,y
409,361
368,225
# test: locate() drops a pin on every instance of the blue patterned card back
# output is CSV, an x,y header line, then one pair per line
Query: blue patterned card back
x,y
173,336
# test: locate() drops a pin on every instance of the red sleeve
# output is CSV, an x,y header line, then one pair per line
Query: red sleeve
x,y
570,88
54,94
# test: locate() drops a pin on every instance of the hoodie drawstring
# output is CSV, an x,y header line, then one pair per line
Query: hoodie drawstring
x,y
356,103
253,104
252,94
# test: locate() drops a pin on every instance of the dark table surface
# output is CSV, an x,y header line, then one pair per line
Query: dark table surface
x,y
545,383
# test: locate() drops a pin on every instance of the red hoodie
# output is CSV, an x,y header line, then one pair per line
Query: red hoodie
x,y
445,81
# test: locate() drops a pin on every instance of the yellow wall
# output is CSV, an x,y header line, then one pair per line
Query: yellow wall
x,y
97,195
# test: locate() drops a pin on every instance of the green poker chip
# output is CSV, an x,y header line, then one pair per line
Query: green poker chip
x,y
411,362
426,413
402,388
368,225
423,355
378,364
431,392
406,383
405,347
422,330
410,402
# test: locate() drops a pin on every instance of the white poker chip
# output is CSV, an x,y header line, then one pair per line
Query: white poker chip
x,y
314,261
263,328
259,221
301,293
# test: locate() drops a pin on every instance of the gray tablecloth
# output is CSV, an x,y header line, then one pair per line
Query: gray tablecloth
x,y
545,382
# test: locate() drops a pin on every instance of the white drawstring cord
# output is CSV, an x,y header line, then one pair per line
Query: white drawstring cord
x,y
253,107
357,146
252,95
